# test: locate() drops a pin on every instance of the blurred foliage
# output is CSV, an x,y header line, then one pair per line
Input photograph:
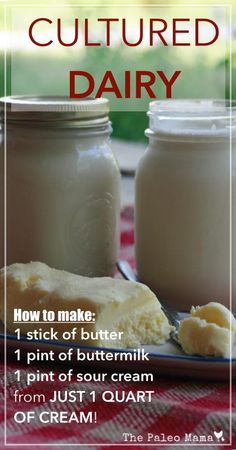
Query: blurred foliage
x,y
8,72
205,73
126,124
129,125
49,74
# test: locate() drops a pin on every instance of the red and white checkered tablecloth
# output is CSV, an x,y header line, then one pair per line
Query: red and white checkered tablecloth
x,y
179,406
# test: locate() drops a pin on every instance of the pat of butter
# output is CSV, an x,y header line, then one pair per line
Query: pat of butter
x,y
207,331
125,307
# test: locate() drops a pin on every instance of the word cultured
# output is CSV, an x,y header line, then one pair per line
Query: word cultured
x,y
107,32
156,27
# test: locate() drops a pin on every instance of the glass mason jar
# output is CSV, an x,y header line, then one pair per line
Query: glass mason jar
x,y
183,197
62,184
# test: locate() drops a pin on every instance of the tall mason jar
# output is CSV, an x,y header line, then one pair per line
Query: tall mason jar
x,y
185,198
62,184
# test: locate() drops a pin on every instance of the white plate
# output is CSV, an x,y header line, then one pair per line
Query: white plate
x,y
166,359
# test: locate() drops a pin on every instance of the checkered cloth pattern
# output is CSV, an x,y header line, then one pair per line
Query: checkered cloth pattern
x,y
178,406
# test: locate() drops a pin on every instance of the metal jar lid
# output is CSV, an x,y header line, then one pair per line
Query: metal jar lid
x,y
55,111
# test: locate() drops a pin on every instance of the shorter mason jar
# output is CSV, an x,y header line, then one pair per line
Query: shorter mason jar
x,y
183,202
63,184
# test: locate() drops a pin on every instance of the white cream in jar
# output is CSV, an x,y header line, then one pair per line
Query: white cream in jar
x,y
62,185
182,212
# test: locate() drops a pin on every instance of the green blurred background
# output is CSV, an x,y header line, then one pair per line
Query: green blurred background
x,y
129,125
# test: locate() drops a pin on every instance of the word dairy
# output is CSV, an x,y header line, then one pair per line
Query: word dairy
x,y
143,81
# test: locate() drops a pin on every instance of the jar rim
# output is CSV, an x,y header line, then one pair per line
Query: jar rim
x,y
55,110
192,108
192,118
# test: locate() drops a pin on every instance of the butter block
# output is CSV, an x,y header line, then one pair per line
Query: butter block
x,y
207,331
119,305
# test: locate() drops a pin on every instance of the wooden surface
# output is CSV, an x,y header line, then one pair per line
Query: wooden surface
x,y
128,154
127,190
